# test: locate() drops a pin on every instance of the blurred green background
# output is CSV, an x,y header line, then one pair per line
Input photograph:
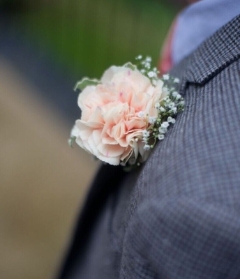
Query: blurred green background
x,y
87,36
45,47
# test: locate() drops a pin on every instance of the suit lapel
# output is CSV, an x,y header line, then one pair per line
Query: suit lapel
x,y
216,53
211,57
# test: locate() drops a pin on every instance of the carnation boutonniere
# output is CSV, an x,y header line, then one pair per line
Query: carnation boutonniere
x,y
125,113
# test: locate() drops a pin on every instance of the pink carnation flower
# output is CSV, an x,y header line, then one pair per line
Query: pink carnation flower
x,y
115,113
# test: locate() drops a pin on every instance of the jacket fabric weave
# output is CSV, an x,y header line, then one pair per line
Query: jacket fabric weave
x,y
178,216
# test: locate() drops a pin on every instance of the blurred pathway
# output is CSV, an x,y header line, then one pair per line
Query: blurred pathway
x,y
38,65
42,180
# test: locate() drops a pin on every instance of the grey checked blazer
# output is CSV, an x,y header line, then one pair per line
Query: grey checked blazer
x,y
178,217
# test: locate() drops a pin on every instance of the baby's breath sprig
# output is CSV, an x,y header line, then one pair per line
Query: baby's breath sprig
x,y
145,67
167,108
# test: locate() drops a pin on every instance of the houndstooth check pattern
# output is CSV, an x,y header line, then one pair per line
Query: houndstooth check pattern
x,y
179,216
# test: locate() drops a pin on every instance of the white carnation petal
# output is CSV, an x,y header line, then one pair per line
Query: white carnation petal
x,y
115,161
75,131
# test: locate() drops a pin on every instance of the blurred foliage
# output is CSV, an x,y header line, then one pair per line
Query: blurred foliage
x,y
89,36
13,6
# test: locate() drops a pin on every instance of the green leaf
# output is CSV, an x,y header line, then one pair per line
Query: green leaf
x,y
130,66
71,141
85,82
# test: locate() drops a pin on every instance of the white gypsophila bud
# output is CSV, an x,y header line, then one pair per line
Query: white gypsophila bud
x,y
175,94
160,137
166,99
181,103
162,130
171,105
157,105
165,90
176,80
166,77
165,124
145,133
147,65
141,114
139,57
162,109
146,147
171,120
152,119
149,59
145,140
174,109
143,71
151,74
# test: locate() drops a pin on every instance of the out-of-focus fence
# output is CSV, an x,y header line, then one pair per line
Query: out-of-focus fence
x,y
88,36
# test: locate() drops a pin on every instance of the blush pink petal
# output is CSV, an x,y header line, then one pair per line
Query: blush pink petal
x,y
96,135
127,153
83,125
84,131
118,131
109,73
136,123
136,80
108,140
110,150
135,134
93,147
110,123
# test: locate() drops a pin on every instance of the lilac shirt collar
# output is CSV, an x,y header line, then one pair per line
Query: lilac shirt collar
x,y
198,22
